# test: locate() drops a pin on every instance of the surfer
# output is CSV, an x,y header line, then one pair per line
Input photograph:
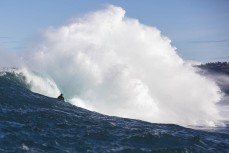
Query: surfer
x,y
60,97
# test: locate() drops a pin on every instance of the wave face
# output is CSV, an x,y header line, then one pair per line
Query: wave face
x,y
115,65
31,122
33,81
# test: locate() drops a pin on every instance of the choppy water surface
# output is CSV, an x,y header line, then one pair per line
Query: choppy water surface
x,y
31,122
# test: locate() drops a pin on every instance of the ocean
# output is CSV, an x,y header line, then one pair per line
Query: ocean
x,y
31,122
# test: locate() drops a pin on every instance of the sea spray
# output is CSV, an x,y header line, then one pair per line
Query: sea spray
x,y
115,65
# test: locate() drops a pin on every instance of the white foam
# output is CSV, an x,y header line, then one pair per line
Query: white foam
x,y
116,65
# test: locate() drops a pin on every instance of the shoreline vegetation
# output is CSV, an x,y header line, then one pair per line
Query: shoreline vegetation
x,y
218,71
216,67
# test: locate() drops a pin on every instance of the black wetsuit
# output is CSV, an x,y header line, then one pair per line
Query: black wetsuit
x,y
60,97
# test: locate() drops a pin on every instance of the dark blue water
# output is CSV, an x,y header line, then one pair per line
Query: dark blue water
x,y
30,122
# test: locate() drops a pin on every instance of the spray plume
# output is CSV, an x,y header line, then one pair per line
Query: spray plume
x,y
115,65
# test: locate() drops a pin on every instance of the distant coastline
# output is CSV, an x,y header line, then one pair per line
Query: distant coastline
x,y
216,67
218,71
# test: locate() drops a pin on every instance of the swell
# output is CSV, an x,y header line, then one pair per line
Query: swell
x,y
36,123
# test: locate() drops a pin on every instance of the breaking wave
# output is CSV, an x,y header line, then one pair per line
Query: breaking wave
x,y
115,65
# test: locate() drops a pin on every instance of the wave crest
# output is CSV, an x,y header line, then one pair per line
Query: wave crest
x,y
116,65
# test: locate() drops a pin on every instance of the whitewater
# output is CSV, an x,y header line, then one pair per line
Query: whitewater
x,y
109,63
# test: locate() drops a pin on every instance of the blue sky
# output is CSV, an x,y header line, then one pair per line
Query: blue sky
x,y
198,28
